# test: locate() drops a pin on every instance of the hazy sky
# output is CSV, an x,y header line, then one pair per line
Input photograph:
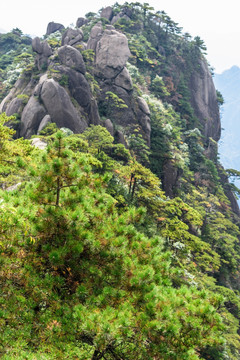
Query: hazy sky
x,y
216,22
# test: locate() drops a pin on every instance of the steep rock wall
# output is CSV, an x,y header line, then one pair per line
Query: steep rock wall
x,y
204,101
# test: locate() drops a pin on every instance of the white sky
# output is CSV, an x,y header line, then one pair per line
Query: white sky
x,y
216,22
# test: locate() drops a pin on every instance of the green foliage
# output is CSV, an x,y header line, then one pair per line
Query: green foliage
x,y
49,129
10,151
111,103
63,81
24,98
91,284
115,100
220,98
98,137
158,88
137,145
15,56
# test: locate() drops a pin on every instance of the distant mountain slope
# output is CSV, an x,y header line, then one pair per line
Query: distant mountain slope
x,y
228,83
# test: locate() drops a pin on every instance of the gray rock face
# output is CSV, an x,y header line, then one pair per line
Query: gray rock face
x,y
71,57
43,51
227,190
204,101
53,27
72,37
14,106
120,138
22,86
112,53
170,178
109,126
32,115
37,45
107,13
59,106
41,47
95,36
46,120
124,80
143,116
80,91
143,106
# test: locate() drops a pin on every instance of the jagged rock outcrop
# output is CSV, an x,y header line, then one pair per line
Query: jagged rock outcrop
x,y
95,36
53,27
81,21
72,37
43,51
59,106
112,53
50,101
22,86
71,57
107,13
204,101
124,80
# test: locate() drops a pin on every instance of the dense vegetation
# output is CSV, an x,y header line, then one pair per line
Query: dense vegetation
x,y
97,262
15,56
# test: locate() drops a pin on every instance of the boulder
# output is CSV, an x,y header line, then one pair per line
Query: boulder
x,y
112,53
143,106
119,137
124,80
95,36
46,120
109,126
72,37
46,49
81,92
107,13
32,115
43,51
72,58
81,21
53,27
14,107
59,106
38,87
37,45
39,143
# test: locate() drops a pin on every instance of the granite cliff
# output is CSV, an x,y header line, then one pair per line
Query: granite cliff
x,y
101,72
